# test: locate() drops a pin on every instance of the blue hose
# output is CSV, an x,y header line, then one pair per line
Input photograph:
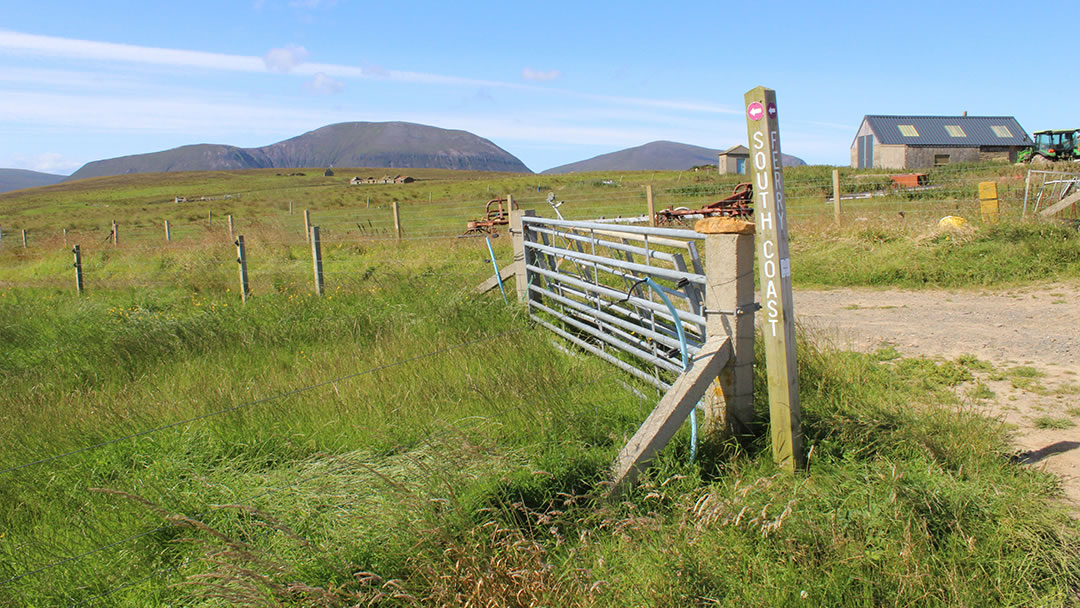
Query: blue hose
x,y
498,275
685,358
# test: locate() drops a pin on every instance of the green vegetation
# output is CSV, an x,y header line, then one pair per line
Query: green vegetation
x,y
402,442
918,256
1050,422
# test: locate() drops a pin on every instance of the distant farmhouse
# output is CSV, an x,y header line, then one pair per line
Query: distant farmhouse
x,y
386,179
733,160
921,142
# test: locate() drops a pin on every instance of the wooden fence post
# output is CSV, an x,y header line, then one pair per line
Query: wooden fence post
x,y
241,259
78,270
517,237
290,208
307,225
24,238
774,267
397,220
115,235
729,311
230,225
649,202
1,236
65,237
168,235
209,219
316,259
836,195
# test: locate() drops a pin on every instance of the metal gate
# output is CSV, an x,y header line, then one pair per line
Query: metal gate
x,y
631,295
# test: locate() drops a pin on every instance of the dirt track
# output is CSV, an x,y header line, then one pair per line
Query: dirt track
x,y
1032,326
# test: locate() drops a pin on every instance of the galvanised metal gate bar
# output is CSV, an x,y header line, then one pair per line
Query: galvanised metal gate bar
x,y
586,283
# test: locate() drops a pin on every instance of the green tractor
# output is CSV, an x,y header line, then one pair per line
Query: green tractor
x,y
1053,146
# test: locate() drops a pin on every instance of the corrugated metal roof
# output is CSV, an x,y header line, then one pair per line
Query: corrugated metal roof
x,y
931,131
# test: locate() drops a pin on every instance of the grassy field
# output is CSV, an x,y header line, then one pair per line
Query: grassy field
x,y
403,442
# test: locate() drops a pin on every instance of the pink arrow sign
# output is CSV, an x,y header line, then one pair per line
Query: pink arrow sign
x,y
755,111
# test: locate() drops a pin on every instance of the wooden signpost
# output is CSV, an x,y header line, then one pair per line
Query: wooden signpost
x,y
774,269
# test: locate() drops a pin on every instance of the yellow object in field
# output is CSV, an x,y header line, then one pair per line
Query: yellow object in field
x,y
951,222
988,202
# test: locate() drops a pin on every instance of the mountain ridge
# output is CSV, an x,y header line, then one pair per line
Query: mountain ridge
x,y
658,155
17,179
398,145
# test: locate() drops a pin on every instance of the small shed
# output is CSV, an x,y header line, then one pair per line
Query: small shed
x,y
356,180
922,142
403,179
328,173
733,160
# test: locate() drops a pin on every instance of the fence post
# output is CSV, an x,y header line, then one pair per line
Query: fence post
x,y
115,236
168,235
1027,189
316,259
78,270
836,195
1,236
241,259
230,225
517,237
290,207
397,220
24,238
649,202
307,225
729,311
65,237
209,219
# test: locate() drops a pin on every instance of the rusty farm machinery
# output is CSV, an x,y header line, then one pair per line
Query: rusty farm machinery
x,y
738,205
496,213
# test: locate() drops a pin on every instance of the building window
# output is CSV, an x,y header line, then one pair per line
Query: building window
x,y
908,130
1001,131
955,131
941,159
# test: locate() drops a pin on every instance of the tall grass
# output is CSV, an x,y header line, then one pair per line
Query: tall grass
x,y
447,454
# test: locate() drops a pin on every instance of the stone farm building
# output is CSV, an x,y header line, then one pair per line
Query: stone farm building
x,y
733,160
921,142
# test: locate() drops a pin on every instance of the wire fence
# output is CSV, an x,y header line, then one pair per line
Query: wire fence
x,y
809,196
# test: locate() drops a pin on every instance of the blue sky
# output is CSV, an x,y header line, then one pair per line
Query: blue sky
x,y
552,82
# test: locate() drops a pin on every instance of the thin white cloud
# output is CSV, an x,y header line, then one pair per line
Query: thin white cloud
x,y
312,4
48,162
292,59
324,85
538,76
286,58
216,121
50,46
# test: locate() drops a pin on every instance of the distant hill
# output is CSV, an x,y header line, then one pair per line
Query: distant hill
x,y
17,179
654,156
398,145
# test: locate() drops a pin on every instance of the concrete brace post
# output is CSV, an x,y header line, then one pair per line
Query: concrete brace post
x,y
729,311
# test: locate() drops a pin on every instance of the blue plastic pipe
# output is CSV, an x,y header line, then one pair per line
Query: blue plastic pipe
x,y
498,275
685,358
